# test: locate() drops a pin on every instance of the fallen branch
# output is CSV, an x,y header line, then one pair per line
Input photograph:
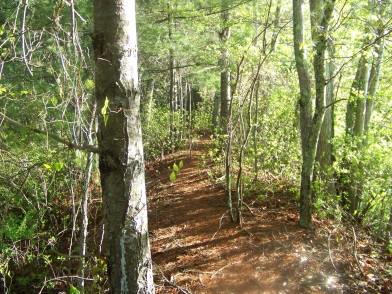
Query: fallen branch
x,y
182,290
197,272
220,225
330,252
247,206
227,265
355,254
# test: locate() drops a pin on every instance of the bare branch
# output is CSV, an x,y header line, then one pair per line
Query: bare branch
x,y
89,148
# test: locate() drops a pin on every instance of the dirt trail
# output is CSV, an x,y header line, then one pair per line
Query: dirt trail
x,y
196,249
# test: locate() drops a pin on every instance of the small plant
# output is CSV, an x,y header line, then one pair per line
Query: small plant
x,y
176,170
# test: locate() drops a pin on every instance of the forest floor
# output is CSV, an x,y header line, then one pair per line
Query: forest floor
x,y
196,249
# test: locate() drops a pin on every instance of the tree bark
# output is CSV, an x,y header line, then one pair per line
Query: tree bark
x,y
305,102
359,111
225,93
311,121
121,153
84,201
173,82
324,155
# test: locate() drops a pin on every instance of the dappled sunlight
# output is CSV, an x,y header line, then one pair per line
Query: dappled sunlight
x,y
196,247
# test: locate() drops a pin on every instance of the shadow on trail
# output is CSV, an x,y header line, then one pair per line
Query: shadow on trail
x,y
196,249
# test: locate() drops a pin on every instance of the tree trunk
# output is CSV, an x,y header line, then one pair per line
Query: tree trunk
x,y
173,83
355,123
311,121
216,110
359,111
225,92
374,78
84,202
305,102
121,153
225,98
324,155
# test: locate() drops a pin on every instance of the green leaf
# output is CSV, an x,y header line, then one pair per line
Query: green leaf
x,y
173,176
175,167
47,166
54,101
58,165
104,111
73,290
181,164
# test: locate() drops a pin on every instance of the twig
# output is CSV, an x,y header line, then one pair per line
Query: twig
x,y
62,279
71,145
185,291
278,241
191,271
220,224
355,253
330,253
221,269
250,210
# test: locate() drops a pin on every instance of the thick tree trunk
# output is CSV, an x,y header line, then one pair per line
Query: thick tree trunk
x,y
120,143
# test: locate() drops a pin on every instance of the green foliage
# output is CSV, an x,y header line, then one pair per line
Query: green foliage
x,y
73,290
324,204
104,111
173,176
50,86
202,119
176,170
389,248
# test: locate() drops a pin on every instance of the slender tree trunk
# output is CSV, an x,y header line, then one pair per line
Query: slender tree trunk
x,y
324,155
150,96
311,121
121,153
225,98
255,129
306,110
373,79
84,202
216,110
358,116
225,92
355,120
173,85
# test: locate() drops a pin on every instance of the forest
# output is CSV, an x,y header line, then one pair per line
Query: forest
x,y
205,146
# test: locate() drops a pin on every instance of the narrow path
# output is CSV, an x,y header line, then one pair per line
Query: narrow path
x,y
196,249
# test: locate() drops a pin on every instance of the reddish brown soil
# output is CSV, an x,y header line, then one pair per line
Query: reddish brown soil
x,y
196,249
